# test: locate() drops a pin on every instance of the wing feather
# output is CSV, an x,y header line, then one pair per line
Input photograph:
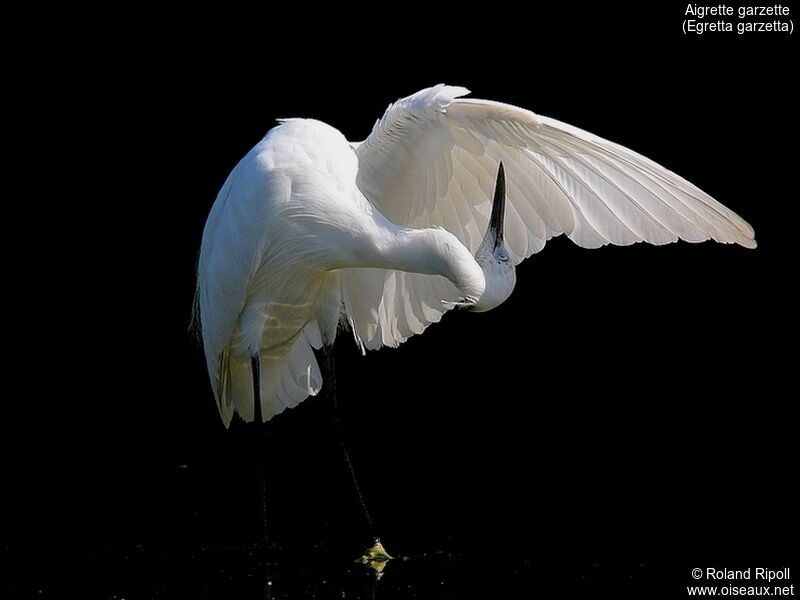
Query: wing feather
x,y
431,161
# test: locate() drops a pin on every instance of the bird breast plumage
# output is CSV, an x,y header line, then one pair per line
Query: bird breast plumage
x,y
308,206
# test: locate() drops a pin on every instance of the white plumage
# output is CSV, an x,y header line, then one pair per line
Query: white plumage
x,y
308,226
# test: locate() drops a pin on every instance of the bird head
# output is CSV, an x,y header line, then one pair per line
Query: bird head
x,y
493,256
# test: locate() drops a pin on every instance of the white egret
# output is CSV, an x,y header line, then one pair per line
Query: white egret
x,y
392,232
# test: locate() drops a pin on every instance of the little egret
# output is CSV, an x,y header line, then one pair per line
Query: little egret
x,y
432,211
389,233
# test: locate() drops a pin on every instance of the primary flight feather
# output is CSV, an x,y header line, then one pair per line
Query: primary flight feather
x,y
433,210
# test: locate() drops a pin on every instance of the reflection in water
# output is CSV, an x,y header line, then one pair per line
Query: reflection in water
x,y
247,572
362,579
199,572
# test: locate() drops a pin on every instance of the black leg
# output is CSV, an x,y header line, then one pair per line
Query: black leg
x,y
255,368
329,383
261,467
258,445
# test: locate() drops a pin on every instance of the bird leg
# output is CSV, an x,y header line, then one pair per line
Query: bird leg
x,y
329,382
261,467
255,367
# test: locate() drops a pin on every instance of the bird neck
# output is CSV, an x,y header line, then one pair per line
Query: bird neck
x,y
431,252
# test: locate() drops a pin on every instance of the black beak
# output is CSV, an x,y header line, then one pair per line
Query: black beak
x,y
498,207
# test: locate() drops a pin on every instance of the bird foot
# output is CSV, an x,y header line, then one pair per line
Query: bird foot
x,y
376,558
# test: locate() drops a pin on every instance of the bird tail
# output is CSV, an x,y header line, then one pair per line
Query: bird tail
x,y
286,380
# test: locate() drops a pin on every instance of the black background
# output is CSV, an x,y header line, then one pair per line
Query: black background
x,y
627,415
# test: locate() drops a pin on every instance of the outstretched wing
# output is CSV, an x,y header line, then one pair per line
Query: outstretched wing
x,y
432,159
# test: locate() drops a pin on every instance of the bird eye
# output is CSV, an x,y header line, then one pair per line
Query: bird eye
x,y
502,255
